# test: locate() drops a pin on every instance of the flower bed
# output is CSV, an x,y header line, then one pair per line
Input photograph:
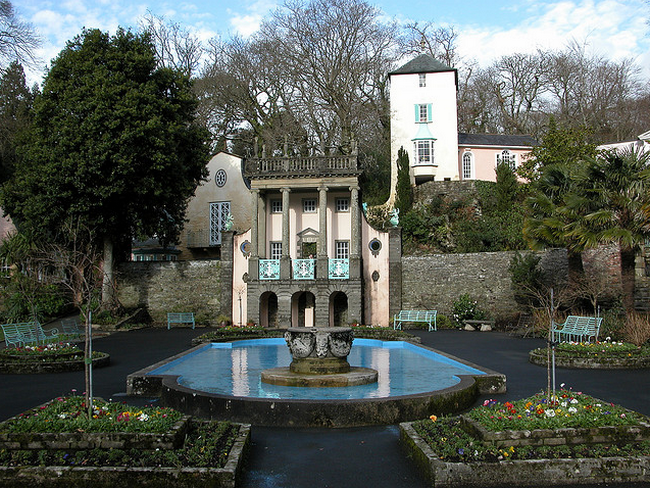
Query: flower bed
x,y
596,355
197,453
55,357
452,454
112,427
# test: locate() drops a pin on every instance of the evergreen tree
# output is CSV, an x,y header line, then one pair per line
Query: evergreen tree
x,y
113,145
16,104
404,197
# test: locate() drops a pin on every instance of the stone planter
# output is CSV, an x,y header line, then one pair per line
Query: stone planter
x,y
41,367
631,362
173,439
556,437
111,476
548,472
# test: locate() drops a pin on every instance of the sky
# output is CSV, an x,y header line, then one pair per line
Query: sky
x,y
488,29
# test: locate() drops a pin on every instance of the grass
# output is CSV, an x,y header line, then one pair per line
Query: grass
x,y
207,444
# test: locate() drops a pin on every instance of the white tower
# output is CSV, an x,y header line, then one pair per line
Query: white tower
x,y
424,119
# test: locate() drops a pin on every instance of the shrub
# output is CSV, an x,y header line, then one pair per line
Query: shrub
x,y
636,328
465,308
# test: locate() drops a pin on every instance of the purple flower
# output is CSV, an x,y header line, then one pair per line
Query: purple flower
x,y
461,451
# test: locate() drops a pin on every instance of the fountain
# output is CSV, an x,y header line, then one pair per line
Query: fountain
x,y
259,381
319,360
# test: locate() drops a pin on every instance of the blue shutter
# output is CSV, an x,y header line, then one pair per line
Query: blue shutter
x,y
429,112
417,112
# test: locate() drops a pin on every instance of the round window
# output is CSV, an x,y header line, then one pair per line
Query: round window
x,y
220,178
375,246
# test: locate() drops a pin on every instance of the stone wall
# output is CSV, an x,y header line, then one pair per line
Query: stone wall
x,y
455,190
182,286
437,280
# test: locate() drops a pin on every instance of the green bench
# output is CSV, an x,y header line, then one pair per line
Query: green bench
x,y
27,333
576,328
416,316
180,318
71,327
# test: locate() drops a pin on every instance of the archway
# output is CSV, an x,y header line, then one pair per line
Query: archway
x,y
338,309
303,305
269,309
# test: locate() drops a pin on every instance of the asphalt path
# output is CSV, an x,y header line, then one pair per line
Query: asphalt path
x,y
351,457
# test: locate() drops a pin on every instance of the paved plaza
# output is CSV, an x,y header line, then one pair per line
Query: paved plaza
x,y
355,457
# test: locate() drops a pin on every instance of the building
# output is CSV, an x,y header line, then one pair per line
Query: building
x,y
641,143
424,121
312,259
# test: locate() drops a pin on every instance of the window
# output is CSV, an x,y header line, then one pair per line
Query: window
x,y
423,112
219,217
276,250
423,80
276,206
468,166
309,205
342,250
342,204
507,157
220,178
423,152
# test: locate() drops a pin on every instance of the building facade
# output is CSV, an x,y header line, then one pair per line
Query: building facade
x,y
424,121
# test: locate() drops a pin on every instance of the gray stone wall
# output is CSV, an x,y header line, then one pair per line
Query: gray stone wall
x,y
436,281
455,190
182,286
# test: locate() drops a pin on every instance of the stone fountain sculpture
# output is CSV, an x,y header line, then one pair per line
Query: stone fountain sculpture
x,y
319,360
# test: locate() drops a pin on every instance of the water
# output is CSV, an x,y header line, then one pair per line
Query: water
x,y
234,369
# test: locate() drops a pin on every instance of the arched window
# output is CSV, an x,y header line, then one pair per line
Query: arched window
x,y
507,157
468,166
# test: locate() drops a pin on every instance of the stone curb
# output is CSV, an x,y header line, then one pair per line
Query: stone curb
x,y
539,359
40,367
522,473
111,476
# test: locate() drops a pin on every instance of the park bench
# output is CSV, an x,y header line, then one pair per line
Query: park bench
x,y
576,328
482,324
180,318
26,333
72,328
416,316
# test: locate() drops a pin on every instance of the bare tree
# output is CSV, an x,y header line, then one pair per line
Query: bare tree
x,y
175,46
437,41
18,40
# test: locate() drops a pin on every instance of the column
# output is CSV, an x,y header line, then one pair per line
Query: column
x,y
355,234
285,259
254,260
321,252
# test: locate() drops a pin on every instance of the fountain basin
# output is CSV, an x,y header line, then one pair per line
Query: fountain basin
x,y
407,389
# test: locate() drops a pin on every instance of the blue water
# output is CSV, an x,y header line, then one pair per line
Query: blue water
x,y
234,369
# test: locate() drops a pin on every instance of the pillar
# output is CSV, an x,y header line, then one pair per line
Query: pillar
x,y
321,253
285,259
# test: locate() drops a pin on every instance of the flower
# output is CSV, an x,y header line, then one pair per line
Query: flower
x,y
433,418
550,413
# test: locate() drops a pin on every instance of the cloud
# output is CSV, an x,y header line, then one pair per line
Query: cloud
x,y
609,28
246,24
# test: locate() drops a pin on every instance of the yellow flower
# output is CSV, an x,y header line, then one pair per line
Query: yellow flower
x,y
433,418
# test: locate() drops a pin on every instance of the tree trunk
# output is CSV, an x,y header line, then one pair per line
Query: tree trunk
x,y
628,260
108,291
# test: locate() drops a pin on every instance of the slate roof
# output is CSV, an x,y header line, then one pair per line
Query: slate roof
x,y
495,140
422,64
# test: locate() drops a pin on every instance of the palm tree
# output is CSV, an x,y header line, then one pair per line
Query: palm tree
x,y
548,217
613,197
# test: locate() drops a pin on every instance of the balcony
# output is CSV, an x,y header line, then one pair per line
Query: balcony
x,y
339,269
304,269
311,166
269,269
